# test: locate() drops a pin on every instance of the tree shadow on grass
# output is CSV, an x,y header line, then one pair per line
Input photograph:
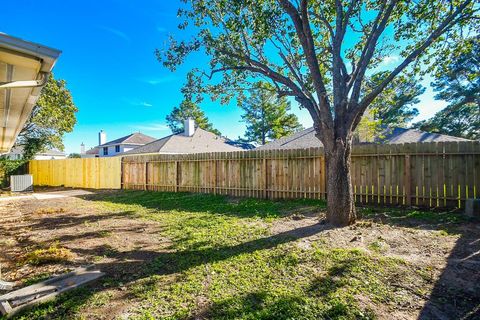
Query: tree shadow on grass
x,y
217,204
321,298
132,265
456,293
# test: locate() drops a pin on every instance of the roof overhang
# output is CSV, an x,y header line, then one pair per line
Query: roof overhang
x,y
24,69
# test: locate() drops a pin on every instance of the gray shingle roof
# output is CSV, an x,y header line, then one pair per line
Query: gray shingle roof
x,y
47,152
306,139
201,141
137,138
402,135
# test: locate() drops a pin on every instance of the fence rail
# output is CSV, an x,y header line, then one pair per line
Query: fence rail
x,y
422,174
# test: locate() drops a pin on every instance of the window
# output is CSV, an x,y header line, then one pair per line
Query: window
x,y
105,151
117,148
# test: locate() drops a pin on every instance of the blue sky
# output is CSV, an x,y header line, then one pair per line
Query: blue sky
x,y
109,64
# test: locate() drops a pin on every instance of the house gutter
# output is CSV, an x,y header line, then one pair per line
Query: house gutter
x,y
17,52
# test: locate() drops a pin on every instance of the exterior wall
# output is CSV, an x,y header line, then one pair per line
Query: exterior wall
x,y
112,152
13,156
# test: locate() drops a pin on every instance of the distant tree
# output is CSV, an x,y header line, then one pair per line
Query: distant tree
x,y
266,115
189,109
74,155
457,81
51,118
393,107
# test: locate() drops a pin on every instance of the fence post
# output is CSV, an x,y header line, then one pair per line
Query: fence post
x,y
145,168
264,175
215,174
121,174
176,176
408,182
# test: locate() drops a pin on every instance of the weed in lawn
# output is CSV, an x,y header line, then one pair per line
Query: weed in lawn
x,y
37,278
99,299
53,254
50,211
104,233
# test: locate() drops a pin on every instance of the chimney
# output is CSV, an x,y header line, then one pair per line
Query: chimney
x,y
189,127
82,148
102,137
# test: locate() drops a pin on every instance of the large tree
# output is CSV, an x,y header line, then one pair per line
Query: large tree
x,y
267,116
457,81
52,117
320,53
189,109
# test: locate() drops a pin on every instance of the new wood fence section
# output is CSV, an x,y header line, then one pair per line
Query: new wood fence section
x,y
94,173
422,174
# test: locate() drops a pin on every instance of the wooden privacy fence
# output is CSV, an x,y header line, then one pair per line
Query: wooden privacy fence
x,y
94,173
423,174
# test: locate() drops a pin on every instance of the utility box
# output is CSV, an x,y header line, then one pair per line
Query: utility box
x,y
472,208
21,183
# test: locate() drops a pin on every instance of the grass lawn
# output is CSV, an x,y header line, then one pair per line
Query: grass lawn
x,y
190,256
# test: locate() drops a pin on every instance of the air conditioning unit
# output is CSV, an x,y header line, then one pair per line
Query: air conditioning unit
x,y
21,183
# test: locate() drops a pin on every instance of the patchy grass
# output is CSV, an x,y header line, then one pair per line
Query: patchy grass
x,y
47,211
52,254
249,259
36,279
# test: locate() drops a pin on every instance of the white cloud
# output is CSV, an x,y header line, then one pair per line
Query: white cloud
x,y
161,29
138,103
390,59
157,81
116,32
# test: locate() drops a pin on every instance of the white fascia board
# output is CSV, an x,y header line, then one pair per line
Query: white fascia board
x,y
48,55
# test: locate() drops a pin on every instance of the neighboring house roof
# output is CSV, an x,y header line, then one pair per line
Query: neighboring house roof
x,y
402,135
307,139
93,150
19,150
200,141
136,138
299,140
51,153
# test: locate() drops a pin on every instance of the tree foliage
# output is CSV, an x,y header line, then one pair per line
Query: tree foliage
x,y
74,155
457,81
267,116
52,117
392,108
189,109
320,53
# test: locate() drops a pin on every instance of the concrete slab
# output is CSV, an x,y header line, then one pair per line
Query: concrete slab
x,y
48,195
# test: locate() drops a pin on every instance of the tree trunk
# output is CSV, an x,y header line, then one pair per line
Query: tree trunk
x,y
340,201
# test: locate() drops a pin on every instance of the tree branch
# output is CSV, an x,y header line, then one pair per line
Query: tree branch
x,y
442,28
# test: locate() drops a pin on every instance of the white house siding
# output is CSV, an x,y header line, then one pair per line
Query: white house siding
x,y
112,152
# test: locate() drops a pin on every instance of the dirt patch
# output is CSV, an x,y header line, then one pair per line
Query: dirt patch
x,y
451,261
71,232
